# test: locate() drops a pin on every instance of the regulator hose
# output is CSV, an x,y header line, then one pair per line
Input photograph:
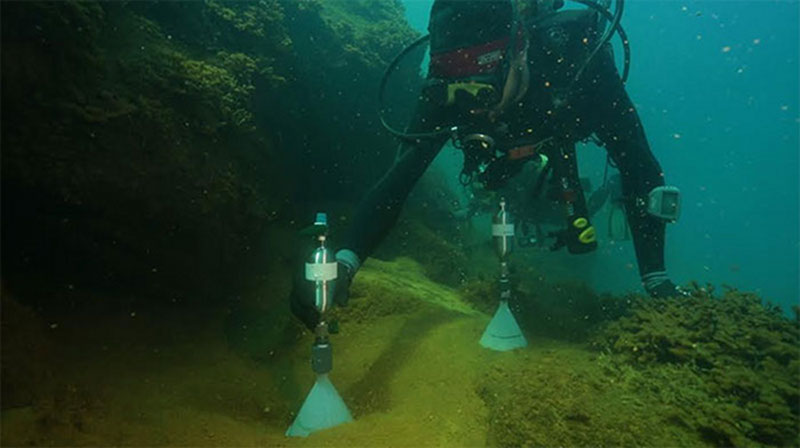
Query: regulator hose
x,y
382,90
609,32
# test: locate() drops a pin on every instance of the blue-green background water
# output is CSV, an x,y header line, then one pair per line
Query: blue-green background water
x,y
716,86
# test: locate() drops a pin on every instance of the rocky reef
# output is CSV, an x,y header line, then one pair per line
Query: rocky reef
x,y
719,371
742,355
164,154
155,146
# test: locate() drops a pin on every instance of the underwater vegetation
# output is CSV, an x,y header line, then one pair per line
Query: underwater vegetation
x,y
721,371
744,356
154,145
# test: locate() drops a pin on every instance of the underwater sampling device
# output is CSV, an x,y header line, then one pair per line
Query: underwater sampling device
x,y
323,407
503,332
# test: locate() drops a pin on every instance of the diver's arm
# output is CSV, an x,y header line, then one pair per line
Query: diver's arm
x,y
375,216
378,211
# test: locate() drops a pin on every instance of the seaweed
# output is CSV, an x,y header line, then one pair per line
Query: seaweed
x,y
720,371
744,352
133,130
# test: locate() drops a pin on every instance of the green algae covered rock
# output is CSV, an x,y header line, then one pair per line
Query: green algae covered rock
x,y
220,89
744,355
695,371
155,143
384,288
370,27
442,260
563,310
704,331
557,394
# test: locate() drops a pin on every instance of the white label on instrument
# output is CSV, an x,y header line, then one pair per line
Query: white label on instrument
x,y
502,229
320,272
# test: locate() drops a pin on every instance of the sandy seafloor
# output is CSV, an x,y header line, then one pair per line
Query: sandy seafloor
x,y
407,362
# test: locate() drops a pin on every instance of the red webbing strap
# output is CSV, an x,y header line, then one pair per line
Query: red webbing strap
x,y
521,152
470,61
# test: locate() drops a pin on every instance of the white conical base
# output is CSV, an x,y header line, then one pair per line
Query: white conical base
x,y
503,333
322,409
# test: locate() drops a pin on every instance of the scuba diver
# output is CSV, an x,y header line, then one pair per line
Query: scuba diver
x,y
509,86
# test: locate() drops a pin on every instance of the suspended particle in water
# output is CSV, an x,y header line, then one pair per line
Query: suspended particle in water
x,y
726,49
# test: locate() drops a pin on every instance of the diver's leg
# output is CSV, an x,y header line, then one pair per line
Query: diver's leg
x,y
378,211
641,173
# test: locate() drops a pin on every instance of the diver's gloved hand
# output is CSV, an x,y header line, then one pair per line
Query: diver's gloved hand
x,y
302,300
658,285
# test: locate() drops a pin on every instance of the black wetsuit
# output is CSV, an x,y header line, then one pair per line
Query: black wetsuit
x,y
554,107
